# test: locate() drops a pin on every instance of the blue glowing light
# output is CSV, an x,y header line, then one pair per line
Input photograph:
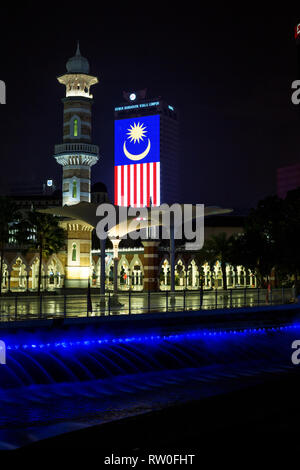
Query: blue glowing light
x,y
134,106
152,338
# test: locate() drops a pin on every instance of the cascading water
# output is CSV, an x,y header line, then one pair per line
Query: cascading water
x,y
50,380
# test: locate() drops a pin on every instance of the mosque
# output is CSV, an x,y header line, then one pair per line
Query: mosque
x,y
143,266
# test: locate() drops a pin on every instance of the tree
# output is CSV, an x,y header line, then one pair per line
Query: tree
x,y
253,250
9,215
259,248
290,235
42,233
218,248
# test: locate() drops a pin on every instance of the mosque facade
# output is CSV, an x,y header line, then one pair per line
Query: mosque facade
x,y
144,267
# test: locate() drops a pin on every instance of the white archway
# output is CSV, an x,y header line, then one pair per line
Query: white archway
x,y
55,273
164,274
180,274
18,274
136,270
123,273
34,274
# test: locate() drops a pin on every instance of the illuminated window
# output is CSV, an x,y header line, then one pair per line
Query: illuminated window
x,y
75,128
74,191
74,252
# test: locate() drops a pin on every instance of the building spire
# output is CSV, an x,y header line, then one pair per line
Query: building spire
x,y
78,50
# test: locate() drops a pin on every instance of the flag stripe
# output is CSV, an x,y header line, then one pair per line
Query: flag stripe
x,y
148,184
119,186
141,185
154,184
125,185
128,185
131,202
136,185
122,185
151,182
116,185
145,186
158,184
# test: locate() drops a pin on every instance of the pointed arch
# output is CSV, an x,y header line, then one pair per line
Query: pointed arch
x,y
164,270
54,272
193,273
55,259
137,273
5,272
75,127
166,257
179,259
18,273
33,271
180,273
136,260
17,256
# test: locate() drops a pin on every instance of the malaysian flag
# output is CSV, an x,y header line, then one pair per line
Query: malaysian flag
x,y
137,165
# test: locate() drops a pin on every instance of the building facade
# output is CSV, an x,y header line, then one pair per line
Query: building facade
x,y
146,133
140,268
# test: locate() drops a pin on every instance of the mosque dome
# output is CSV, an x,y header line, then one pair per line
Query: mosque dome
x,y
78,64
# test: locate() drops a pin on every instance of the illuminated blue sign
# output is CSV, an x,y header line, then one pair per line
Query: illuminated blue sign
x,y
134,106
137,140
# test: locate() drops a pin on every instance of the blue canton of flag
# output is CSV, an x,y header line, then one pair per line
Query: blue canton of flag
x,y
137,140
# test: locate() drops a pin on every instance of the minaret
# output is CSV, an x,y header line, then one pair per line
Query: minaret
x,y
77,154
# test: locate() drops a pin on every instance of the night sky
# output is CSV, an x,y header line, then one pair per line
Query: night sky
x,y
229,76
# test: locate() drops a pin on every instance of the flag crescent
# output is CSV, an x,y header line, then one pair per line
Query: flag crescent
x,y
140,156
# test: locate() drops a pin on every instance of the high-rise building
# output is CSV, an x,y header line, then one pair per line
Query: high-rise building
x,y
77,154
146,151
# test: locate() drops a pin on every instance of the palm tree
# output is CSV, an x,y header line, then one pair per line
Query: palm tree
x,y
8,216
42,233
218,248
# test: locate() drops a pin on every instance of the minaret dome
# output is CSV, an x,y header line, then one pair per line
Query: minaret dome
x,y
77,63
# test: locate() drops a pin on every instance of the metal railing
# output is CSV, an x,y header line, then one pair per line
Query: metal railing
x,y
20,307
76,147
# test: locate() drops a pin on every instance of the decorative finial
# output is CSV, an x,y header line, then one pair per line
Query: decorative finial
x,y
78,50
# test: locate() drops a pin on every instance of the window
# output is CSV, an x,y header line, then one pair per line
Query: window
x,y
74,191
75,128
74,252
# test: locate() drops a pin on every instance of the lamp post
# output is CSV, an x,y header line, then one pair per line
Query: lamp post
x,y
114,299
172,261
130,274
172,256
201,289
102,273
